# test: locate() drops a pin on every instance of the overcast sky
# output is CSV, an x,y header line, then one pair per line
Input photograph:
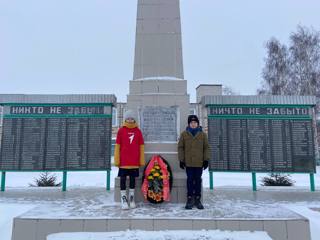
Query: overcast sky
x,y
87,46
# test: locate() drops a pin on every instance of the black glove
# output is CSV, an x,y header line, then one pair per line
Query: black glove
x,y
182,165
205,165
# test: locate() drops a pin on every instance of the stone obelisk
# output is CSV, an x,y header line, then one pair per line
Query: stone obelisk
x,y
158,91
158,51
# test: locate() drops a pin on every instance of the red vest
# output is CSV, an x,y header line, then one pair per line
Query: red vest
x,y
130,140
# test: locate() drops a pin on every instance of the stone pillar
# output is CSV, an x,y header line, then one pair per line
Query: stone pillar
x,y
158,50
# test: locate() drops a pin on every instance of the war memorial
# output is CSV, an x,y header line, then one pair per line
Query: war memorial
x,y
249,134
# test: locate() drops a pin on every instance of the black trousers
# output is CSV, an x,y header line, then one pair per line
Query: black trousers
x,y
131,173
194,180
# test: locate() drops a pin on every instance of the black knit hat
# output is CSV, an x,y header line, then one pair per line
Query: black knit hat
x,y
193,118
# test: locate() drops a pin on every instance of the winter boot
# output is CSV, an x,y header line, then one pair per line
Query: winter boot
x,y
198,203
131,198
124,200
190,202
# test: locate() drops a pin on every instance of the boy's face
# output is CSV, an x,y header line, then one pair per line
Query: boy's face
x,y
130,120
193,124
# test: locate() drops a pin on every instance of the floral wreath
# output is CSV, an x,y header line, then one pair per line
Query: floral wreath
x,y
157,180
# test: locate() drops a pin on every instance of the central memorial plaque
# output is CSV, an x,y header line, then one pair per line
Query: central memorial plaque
x,y
56,137
159,124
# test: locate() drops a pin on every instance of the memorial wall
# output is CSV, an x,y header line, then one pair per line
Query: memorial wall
x,y
261,139
56,137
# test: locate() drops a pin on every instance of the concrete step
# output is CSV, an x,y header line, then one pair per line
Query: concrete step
x,y
277,229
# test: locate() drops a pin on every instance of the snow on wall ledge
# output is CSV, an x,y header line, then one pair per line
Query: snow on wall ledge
x,y
163,235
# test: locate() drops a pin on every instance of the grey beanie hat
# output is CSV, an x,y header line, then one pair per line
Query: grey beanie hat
x,y
130,114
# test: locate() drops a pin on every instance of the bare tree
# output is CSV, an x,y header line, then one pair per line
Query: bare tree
x,y
294,69
276,70
305,62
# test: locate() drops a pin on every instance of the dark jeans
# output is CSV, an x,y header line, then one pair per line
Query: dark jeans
x,y
194,180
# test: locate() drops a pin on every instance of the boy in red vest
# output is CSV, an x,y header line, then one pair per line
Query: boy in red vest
x,y
129,156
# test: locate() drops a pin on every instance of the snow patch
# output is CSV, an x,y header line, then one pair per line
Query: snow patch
x,y
7,213
159,78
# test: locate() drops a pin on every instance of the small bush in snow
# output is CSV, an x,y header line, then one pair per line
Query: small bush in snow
x,y
276,179
46,180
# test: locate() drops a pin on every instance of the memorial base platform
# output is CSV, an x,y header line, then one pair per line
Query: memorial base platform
x,y
94,210
278,229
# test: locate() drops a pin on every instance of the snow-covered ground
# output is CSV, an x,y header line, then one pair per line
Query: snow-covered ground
x,y
164,235
98,179
86,196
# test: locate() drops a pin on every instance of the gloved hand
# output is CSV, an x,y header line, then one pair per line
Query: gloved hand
x,y
205,165
182,165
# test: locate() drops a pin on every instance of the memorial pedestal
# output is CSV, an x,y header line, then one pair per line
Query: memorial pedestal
x,y
163,107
